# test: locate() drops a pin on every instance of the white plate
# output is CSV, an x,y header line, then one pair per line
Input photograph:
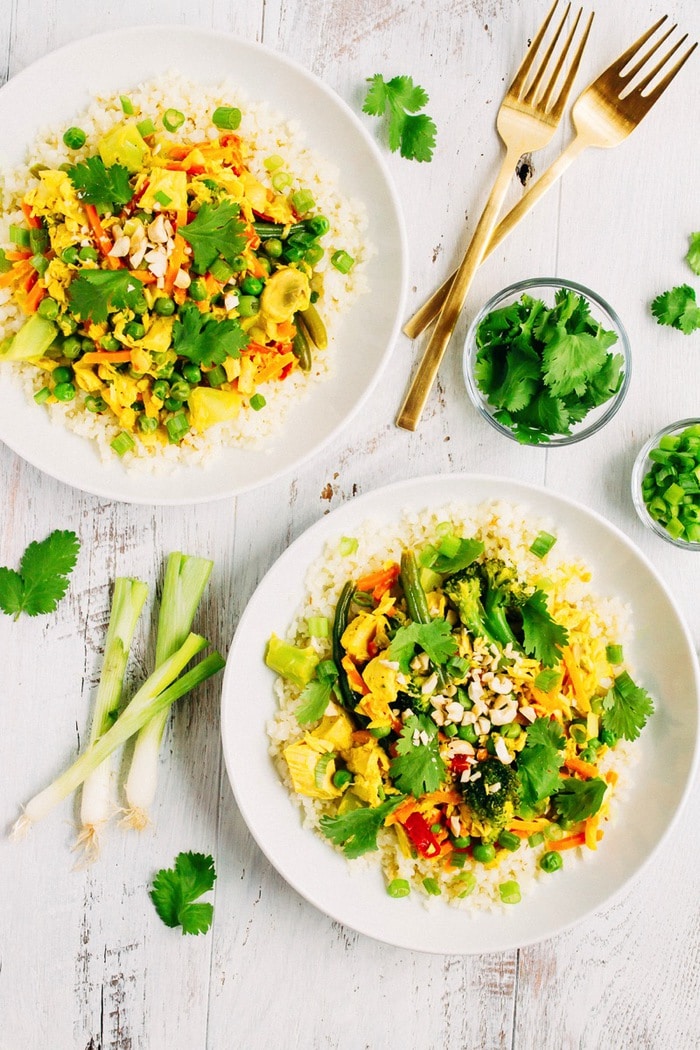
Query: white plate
x,y
664,660
65,81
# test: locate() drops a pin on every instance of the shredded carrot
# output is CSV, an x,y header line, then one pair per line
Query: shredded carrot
x,y
572,841
274,367
144,276
177,258
360,737
354,677
586,770
19,270
378,583
32,219
574,672
33,298
103,241
591,831
103,357
611,777
525,828
402,812
14,255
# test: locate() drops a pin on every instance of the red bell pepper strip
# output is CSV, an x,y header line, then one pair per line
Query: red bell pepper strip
x,y
416,827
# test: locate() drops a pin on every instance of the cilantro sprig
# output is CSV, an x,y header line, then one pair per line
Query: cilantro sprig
x,y
678,306
579,799
356,831
626,708
175,891
540,761
216,231
434,638
94,293
543,637
43,574
204,339
399,99
418,766
108,188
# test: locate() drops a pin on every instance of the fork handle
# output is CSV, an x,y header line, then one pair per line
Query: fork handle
x,y
424,377
427,313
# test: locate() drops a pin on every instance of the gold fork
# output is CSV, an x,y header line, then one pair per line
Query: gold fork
x,y
601,117
526,121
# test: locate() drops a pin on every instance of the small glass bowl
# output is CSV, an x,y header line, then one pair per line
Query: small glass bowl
x,y
544,288
642,464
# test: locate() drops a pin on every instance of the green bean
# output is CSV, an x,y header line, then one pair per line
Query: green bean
x,y
265,230
300,346
340,622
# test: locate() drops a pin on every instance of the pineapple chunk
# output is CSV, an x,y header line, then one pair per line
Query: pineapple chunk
x,y
209,406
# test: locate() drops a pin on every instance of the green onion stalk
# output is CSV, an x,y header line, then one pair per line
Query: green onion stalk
x,y
95,808
186,576
160,690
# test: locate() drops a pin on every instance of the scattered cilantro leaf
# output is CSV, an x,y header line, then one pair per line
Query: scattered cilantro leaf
x,y
693,255
108,188
435,638
467,552
543,637
204,339
215,231
412,133
176,889
626,708
93,293
578,799
543,369
540,761
313,701
678,308
43,574
356,831
418,767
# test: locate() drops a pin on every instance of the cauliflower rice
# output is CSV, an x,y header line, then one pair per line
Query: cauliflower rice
x,y
266,133
507,533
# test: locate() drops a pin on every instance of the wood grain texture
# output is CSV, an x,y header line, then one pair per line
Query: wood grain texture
x,y
84,960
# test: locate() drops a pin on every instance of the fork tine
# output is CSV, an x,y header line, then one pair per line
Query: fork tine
x,y
529,58
651,98
626,56
536,80
560,101
652,51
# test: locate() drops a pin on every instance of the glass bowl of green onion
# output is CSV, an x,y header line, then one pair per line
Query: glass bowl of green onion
x,y
666,483
547,362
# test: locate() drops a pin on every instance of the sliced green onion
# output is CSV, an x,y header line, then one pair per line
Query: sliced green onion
x,y
348,545
542,544
40,263
318,626
257,402
19,235
398,888
508,840
74,138
38,239
536,839
146,127
321,767
226,118
216,375
547,679
302,201
510,892
177,426
163,199
432,886
273,163
122,443
342,261
614,654
42,395
173,119
466,880
5,264
127,105
281,180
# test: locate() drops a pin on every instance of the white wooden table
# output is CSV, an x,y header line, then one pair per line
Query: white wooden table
x,y
84,960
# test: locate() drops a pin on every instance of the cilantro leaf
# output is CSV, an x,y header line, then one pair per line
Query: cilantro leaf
x,y
42,579
105,187
578,799
435,638
216,230
176,889
540,761
356,831
93,293
418,766
678,308
571,360
412,133
468,551
543,637
313,701
693,254
626,708
204,339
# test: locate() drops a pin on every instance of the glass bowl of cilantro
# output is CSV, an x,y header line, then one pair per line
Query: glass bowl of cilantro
x,y
547,362
666,483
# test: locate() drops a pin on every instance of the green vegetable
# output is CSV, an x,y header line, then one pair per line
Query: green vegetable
x,y
176,889
493,798
313,701
693,255
74,138
342,261
33,339
671,486
92,294
542,544
124,145
43,574
356,832
578,799
678,308
418,767
173,119
291,662
410,132
509,892
340,622
398,888
614,654
204,339
122,443
544,369
540,761
215,231
626,708
226,118
551,861
108,188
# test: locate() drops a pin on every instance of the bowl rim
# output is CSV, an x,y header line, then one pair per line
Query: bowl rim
x,y
638,472
610,408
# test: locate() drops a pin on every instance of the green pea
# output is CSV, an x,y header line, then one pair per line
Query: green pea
x,y
164,306
265,264
70,255
293,253
179,390
62,374
484,852
341,777
87,345
380,731
95,404
64,392
72,347
161,389
551,861
273,247
239,263
147,424
248,306
198,290
88,254
135,330
251,286
173,404
108,342
74,138
318,225
192,374
140,305
48,308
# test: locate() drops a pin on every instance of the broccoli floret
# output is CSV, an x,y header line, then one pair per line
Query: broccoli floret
x,y
464,591
502,594
411,699
494,797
